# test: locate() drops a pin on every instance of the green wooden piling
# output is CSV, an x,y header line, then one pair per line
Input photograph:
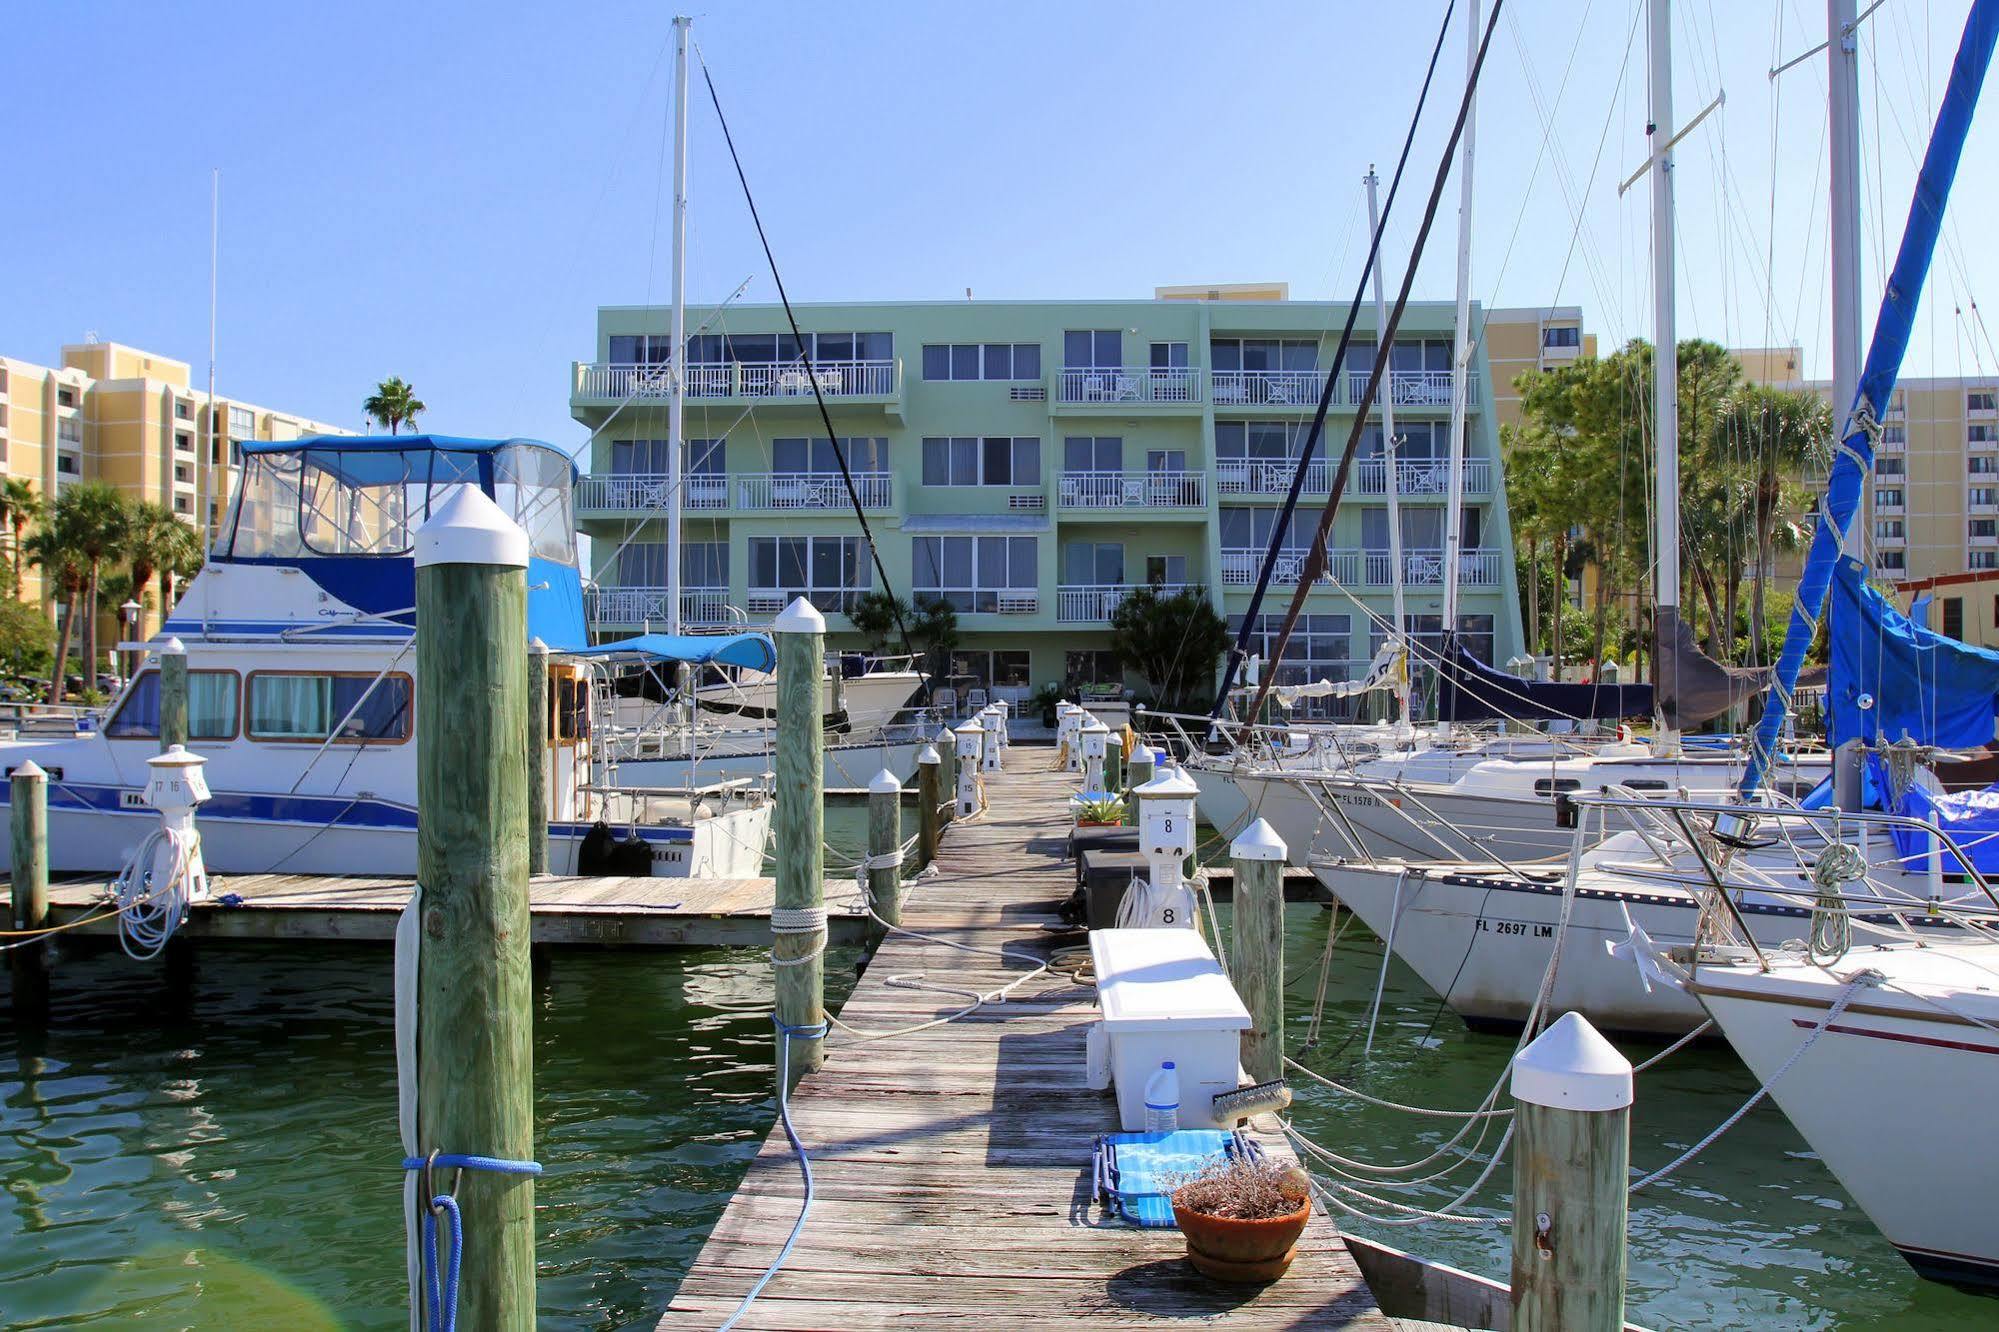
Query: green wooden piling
x,y
537,757
885,842
1571,1157
797,953
1140,772
475,1080
29,883
929,795
173,694
1114,762
1256,951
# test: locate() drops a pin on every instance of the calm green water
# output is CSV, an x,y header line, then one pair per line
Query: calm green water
x,y
224,1157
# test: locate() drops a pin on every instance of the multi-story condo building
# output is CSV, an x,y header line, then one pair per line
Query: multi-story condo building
x,y
1929,517
1032,463
115,413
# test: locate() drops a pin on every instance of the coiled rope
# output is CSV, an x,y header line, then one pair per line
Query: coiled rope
x,y
150,906
441,1213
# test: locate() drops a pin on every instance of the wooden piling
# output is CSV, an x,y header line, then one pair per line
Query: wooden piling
x,y
173,694
929,795
1256,951
1571,1156
885,843
537,757
797,952
1114,762
29,883
946,744
1140,772
475,1081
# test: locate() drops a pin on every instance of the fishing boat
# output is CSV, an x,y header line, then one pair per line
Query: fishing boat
x,y
300,638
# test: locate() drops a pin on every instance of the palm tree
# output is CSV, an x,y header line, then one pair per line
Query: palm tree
x,y
150,544
1784,432
394,404
52,547
98,517
181,558
20,505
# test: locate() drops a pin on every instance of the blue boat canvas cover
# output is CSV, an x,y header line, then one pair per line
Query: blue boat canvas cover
x,y
753,652
1892,679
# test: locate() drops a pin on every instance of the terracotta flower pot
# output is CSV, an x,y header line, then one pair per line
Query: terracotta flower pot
x,y
1228,1249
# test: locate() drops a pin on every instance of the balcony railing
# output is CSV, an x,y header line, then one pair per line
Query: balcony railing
x,y
1365,568
769,492
735,379
1271,388
1269,476
642,491
1412,388
1141,384
760,601
699,606
1421,476
1134,490
1093,603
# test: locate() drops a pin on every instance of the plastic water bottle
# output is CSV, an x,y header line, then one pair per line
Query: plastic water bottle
x,y
1162,1100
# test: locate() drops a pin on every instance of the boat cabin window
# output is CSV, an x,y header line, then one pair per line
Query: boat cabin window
x,y
211,707
287,705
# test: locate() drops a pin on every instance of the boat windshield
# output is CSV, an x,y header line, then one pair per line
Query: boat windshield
x,y
329,501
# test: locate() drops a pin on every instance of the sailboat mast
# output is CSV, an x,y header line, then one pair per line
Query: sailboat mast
x,y
214,515
1665,389
1392,468
1454,485
1842,55
676,403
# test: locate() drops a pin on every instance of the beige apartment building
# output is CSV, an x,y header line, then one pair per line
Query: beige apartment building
x,y
114,413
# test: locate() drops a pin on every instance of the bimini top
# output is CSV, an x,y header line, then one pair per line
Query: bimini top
x,y
754,652
396,444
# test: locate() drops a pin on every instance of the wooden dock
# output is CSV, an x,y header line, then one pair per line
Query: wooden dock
x,y
632,912
953,1166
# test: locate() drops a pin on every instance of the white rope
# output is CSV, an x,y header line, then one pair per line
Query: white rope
x,y
797,920
1358,1094
151,906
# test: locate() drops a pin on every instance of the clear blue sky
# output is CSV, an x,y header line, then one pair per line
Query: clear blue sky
x,y
447,191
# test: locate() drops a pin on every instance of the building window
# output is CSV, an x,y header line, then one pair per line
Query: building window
x,y
1889,498
1982,464
1166,570
648,457
982,360
1091,666
704,564
1255,355
69,431
1093,453
1890,529
296,706
1169,356
1895,434
1983,559
1320,648
1979,400
1980,527
1562,335
971,573
827,571
1093,349
242,423
1092,563
753,349
184,504
184,474
1891,561
1980,434
1891,466
1004,671
183,411
1953,617
1981,494
67,465
211,707
235,454
968,460
815,457
65,397
183,442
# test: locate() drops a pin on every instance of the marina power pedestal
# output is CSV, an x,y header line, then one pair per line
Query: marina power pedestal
x,y
1163,996
1068,721
970,739
174,787
1095,739
993,723
1166,839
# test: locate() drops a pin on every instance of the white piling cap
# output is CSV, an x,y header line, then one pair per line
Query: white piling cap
x,y
536,645
1095,727
1170,783
928,754
1571,1067
31,769
1259,841
468,528
970,726
176,756
885,783
800,617
173,647
1143,753
944,736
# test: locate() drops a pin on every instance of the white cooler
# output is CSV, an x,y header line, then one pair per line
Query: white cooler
x,y
1163,996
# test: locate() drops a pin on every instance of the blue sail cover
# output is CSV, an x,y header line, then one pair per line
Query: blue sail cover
x,y
753,652
1919,685
1854,458
1468,690
1969,818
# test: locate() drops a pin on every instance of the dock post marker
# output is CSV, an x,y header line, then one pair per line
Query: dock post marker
x,y
929,795
970,739
29,883
1257,954
537,757
475,1080
798,942
885,844
1571,1157
1139,771
173,694
946,745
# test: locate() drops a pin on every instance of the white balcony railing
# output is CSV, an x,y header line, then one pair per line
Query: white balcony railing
x,y
1134,490
1421,476
699,606
811,491
1093,603
1141,384
759,601
732,379
641,491
1269,476
1240,566
1412,388
1369,568
1267,388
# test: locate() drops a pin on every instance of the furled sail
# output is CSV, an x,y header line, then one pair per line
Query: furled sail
x,y
1707,688
1389,668
1468,690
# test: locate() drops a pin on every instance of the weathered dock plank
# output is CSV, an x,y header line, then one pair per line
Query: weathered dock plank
x,y
952,1165
609,910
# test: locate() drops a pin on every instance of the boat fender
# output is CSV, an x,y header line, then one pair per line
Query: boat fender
x,y
604,852
1567,815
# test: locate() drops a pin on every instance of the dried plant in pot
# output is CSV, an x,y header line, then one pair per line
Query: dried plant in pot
x,y
1242,1218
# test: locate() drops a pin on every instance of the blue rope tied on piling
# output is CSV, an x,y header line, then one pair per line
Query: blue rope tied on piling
x,y
441,1284
813,1032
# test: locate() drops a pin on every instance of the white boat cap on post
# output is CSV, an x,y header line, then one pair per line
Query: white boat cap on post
x,y
1259,841
887,783
173,647
929,754
1572,1067
468,528
1142,753
800,617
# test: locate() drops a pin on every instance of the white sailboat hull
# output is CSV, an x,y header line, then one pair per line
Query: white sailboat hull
x,y
845,766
